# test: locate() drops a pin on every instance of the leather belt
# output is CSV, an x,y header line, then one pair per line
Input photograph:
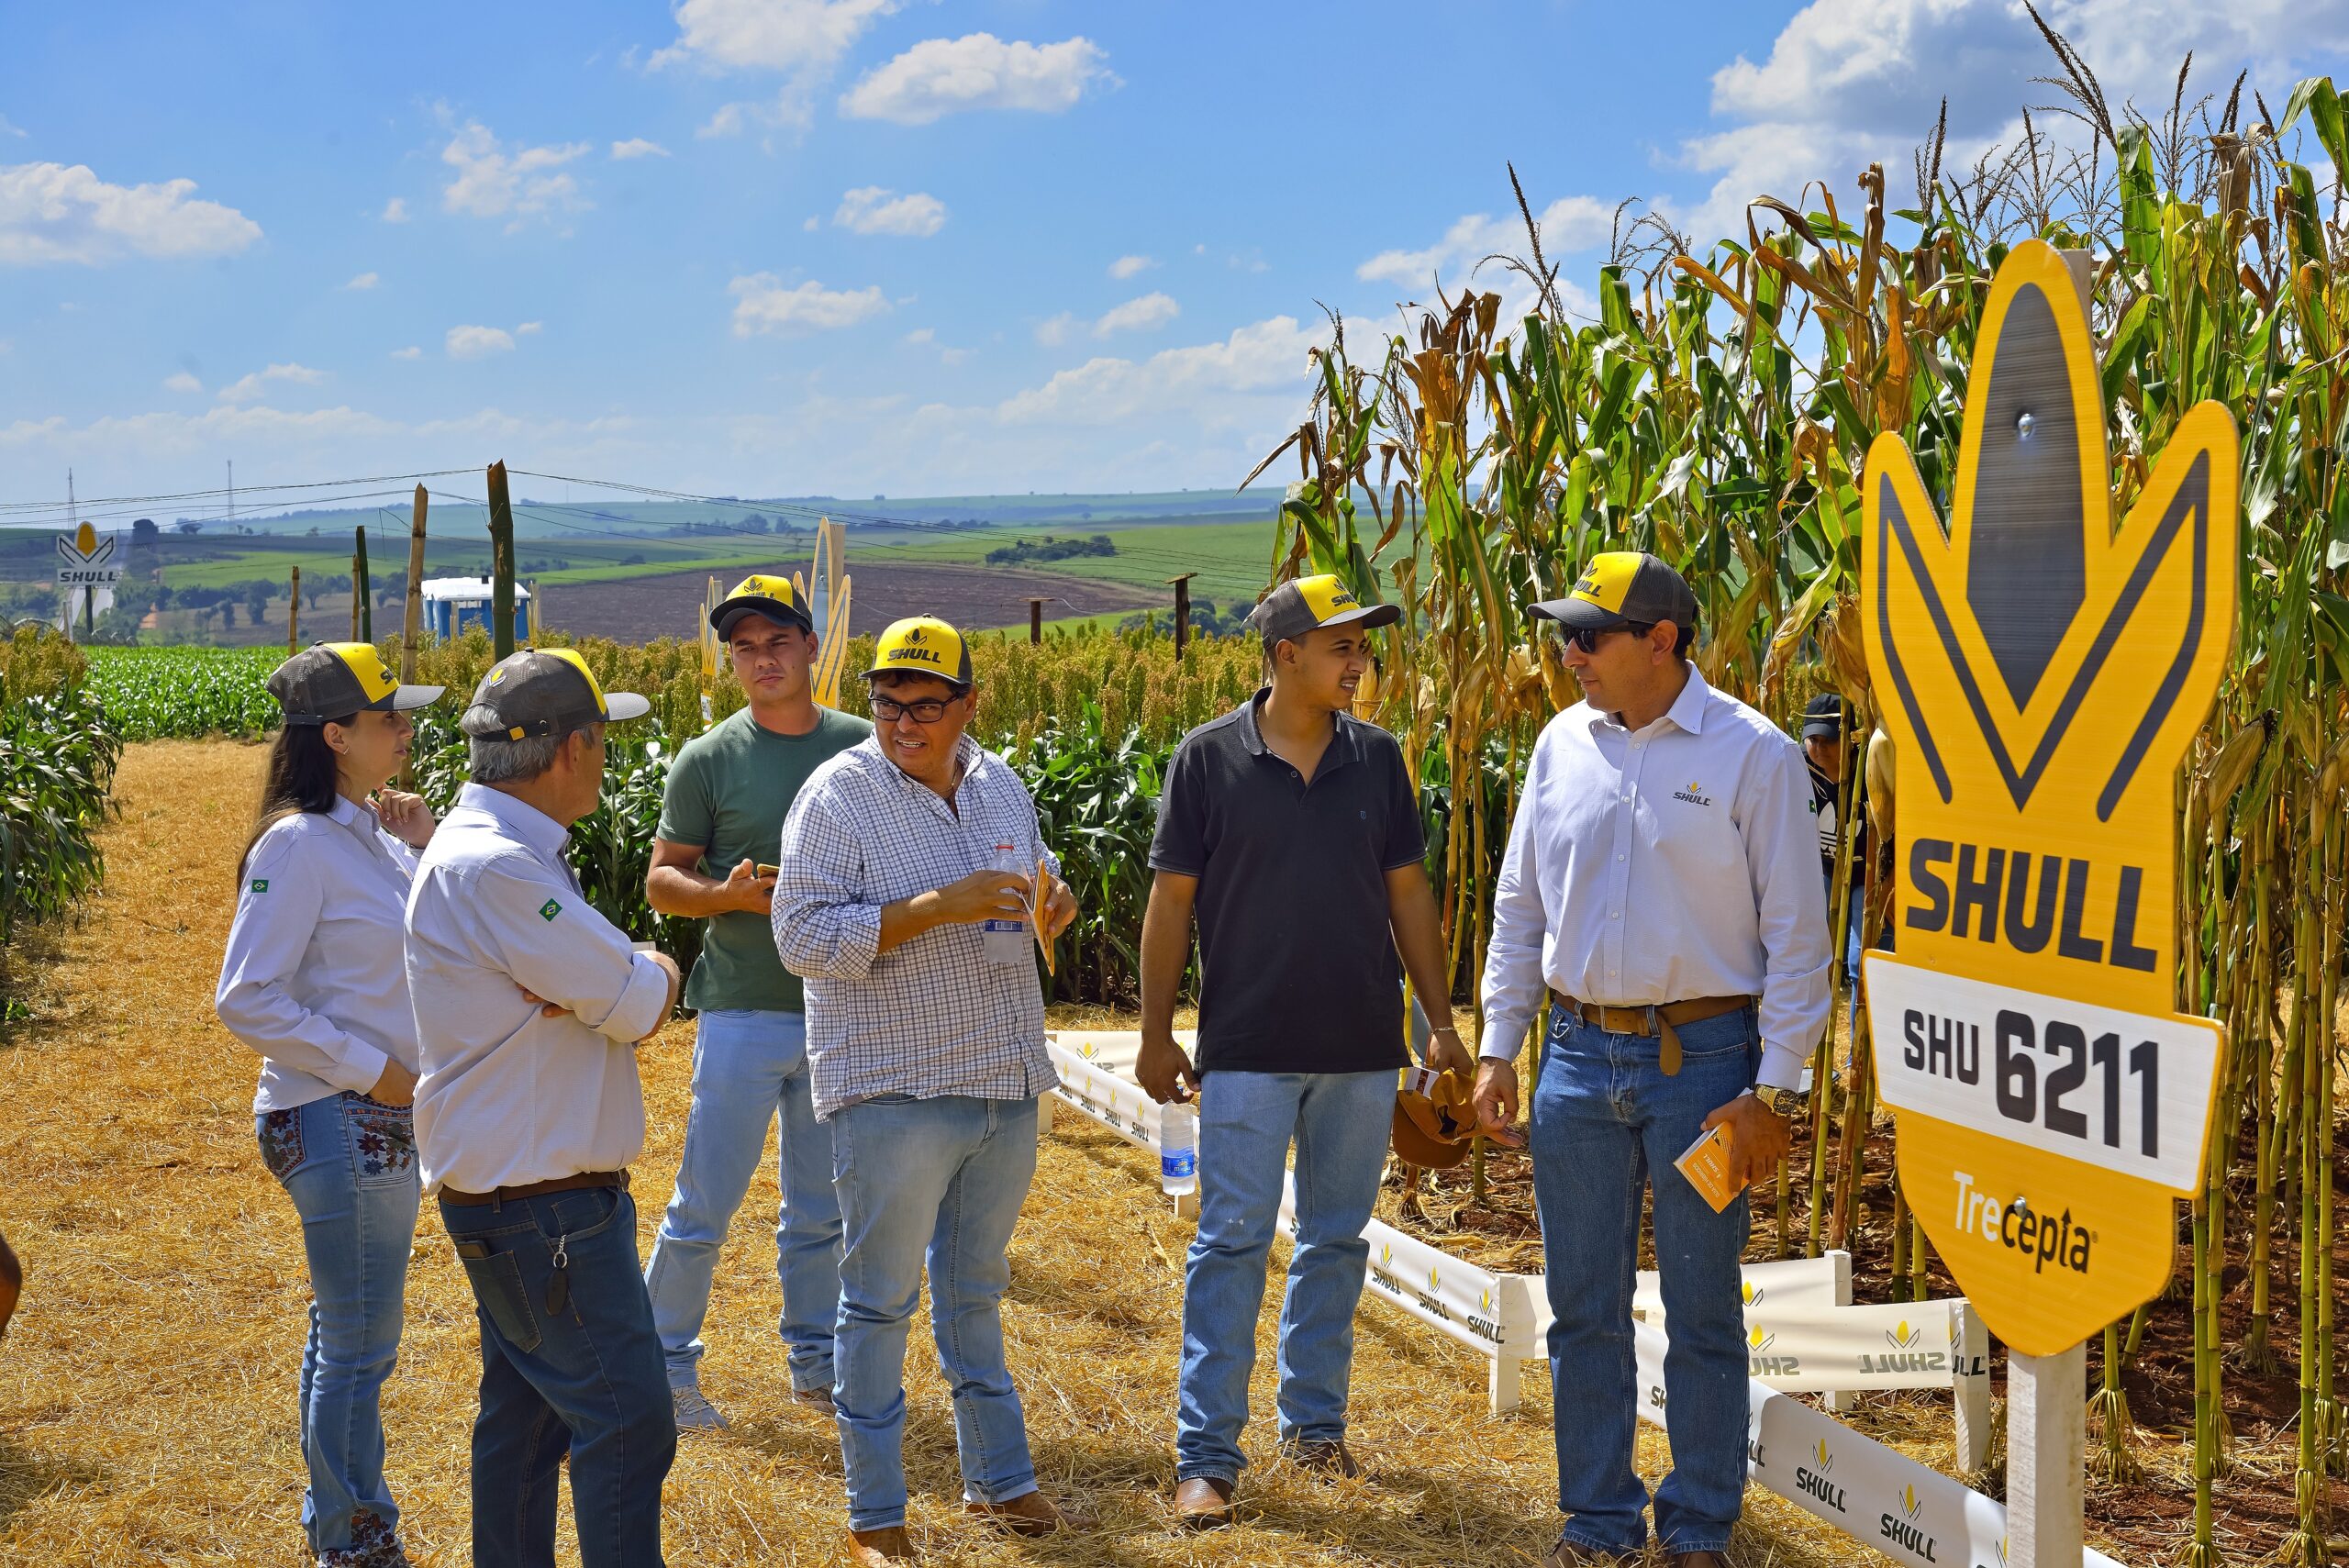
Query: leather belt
x,y
1663,1019
534,1189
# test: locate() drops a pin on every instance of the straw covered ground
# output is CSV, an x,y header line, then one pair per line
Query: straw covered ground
x,y
145,1392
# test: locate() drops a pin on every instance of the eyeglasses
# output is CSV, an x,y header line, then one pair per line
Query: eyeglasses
x,y
1587,637
927,710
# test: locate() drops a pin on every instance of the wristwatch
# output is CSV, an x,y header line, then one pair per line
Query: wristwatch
x,y
1777,1101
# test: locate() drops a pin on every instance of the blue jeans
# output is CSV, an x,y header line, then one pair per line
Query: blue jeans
x,y
348,1164
1607,1122
1340,1122
942,1179
577,1373
749,1069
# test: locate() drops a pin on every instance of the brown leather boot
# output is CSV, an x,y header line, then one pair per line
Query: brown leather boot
x,y
880,1548
1203,1502
1327,1457
1030,1513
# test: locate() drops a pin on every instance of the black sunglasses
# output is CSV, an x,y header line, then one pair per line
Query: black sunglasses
x,y
925,710
1587,637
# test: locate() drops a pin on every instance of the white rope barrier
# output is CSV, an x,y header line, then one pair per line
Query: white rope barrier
x,y
1802,1332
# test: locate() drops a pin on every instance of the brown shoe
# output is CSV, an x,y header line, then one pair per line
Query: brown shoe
x,y
1568,1553
1327,1457
880,1548
1203,1502
1030,1513
822,1397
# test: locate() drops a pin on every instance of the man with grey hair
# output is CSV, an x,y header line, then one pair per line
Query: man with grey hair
x,y
528,1008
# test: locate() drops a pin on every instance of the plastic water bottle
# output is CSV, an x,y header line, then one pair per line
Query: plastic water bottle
x,y
1006,935
1178,1150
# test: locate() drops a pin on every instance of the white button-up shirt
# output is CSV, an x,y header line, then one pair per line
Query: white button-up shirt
x,y
1663,864
312,979
932,1016
507,1096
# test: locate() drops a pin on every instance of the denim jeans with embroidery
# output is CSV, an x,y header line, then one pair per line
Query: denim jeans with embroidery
x,y
1607,1122
1340,1122
348,1164
938,1180
751,1071
573,1370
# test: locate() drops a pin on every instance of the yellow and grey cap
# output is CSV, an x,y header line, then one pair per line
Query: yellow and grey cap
x,y
330,680
763,594
1309,604
923,645
1620,588
544,691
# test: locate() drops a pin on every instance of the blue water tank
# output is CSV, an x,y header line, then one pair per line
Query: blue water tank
x,y
452,604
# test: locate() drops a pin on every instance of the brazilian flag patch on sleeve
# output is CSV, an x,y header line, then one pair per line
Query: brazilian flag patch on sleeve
x,y
261,885
550,909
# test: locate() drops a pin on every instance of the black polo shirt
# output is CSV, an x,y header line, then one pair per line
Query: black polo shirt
x,y
1298,967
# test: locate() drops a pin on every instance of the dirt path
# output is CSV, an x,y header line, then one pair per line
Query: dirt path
x,y
145,1392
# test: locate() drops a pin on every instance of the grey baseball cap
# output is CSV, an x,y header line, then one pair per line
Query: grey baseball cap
x,y
1308,604
544,691
1620,588
330,680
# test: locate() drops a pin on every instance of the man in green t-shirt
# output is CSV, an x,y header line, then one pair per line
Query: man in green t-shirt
x,y
722,820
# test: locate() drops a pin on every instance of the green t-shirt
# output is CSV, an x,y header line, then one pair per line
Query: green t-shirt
x,y
730,790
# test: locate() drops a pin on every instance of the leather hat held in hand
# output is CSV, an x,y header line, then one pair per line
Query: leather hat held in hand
x,y
1433,1120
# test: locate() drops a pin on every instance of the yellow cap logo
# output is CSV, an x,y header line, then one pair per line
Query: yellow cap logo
x,y
1325,595
367,667
1607,579
576,662
924,643
761,586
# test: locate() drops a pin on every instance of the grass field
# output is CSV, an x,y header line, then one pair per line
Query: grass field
x,y
147,1389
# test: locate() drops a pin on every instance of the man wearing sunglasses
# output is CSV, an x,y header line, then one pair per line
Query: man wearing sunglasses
x,y
1661,894
908,865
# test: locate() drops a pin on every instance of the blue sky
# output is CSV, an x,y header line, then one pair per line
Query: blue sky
x,y
905,247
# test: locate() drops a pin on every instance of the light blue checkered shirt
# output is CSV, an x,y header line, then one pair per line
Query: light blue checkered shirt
x,y
932,1016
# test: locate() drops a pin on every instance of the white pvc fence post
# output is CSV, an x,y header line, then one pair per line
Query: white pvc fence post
x,y
1044,1116
1187,1204
1504,1388
1970,1354
2047,1433
1841,1400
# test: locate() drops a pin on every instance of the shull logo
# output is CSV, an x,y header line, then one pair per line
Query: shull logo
x,y
1812,1478
1751,1292
1904,1338
916,636
1757,1342
1902,1529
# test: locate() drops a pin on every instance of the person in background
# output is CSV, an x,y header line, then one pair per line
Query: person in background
x,y
908,865
1659,891
720,819
528,1008
312,981
1823,720
1292,828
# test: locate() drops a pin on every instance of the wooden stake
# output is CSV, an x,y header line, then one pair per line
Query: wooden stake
x,y
412,610
1036,620
1182,611
501,564
294,614
2047,1433
363,606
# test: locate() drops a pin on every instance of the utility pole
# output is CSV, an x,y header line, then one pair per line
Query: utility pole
x,y
1182,613
501,562
363,604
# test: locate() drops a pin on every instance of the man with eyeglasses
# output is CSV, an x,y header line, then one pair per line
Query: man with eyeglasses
x,y
721,817
1661,894
903,900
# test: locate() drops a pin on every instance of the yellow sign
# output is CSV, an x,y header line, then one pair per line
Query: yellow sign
x,y
2042,676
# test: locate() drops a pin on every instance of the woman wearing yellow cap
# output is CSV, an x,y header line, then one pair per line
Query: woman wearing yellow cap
x,y
313,981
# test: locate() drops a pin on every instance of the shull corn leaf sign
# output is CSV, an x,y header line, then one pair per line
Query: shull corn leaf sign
x,y
2042,676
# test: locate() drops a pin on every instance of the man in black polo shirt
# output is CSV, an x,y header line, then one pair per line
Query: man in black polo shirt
x,y
1293,830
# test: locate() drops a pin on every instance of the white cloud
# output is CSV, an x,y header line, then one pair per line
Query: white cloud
x,y
180,381
871,209
944,76
1144,315
395,210
475,343
813,224
1266,358
410,353
1058,330
765,303
1126,267
8,128
247,389
802,40
1568,224
922,335
489,182
363,280
637,147
528,328
56,213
